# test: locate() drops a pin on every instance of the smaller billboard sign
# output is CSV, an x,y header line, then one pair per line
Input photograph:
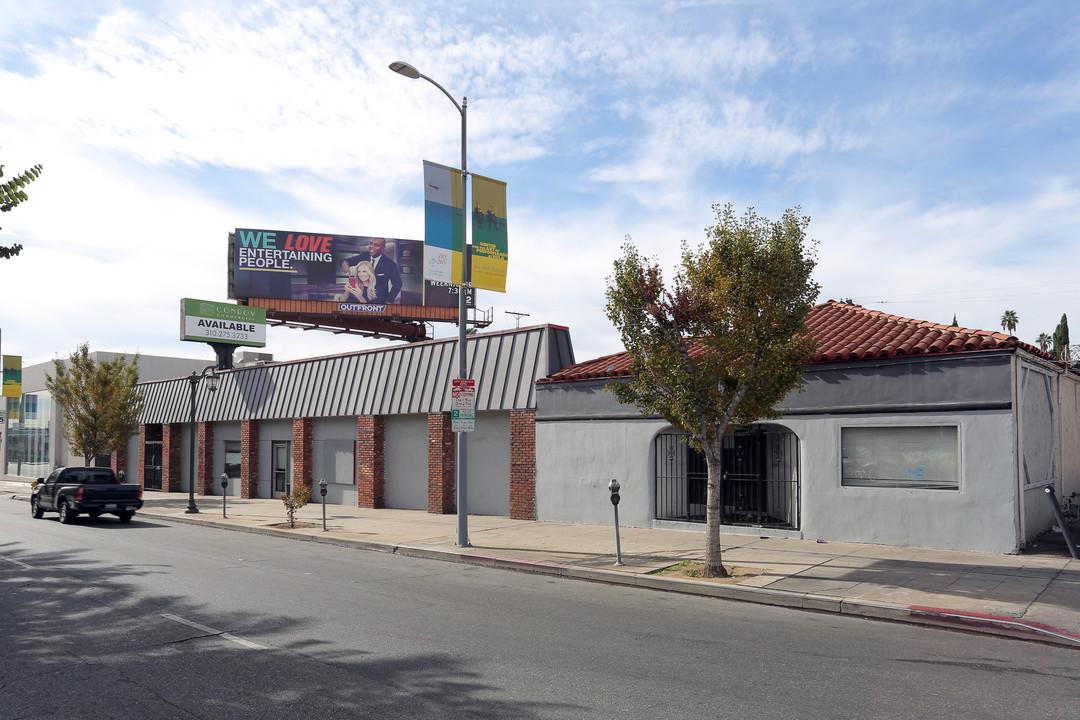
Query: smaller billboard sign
x,y
208,321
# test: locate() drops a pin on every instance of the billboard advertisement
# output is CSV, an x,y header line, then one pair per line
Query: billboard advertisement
x,y
360,273
208,321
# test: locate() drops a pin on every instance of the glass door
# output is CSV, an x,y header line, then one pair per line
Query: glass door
x,y
281,465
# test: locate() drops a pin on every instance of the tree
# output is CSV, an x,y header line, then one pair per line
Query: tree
x,y
1009,321
954,320
1044,341
298,498
11,194
1061,339
725,343
100,400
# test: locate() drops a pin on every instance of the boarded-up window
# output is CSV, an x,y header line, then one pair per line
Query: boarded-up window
x,y
923,458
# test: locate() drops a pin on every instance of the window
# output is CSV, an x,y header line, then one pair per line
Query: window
x,y
232,459
922,458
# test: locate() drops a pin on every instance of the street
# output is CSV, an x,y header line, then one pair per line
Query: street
x,y
160,620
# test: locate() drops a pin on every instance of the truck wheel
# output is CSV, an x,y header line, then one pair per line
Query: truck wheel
x,y
125,516
35,508
67,515
93,513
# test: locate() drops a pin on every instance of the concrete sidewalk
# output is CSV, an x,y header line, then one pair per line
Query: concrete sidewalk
x,y
1034,595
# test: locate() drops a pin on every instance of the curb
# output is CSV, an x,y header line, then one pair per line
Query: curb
x,y
957,620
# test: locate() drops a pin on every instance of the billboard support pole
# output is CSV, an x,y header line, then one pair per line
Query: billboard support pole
x,y
461,479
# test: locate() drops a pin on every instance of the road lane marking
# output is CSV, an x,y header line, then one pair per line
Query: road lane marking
x,y
212,631
21,564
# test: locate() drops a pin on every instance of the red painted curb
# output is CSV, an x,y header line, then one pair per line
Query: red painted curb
x,y
997,619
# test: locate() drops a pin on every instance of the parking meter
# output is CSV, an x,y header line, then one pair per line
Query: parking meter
x,y
614,487
224,488
322,491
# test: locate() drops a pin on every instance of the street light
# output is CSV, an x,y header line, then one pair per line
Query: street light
x,y
211,385
460,479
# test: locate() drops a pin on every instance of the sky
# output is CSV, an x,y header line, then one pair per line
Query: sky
x,y
933,145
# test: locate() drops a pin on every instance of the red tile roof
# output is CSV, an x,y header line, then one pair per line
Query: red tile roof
x,y
849,332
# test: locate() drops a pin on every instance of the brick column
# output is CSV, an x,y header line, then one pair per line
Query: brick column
x,y
523,464
118,462
170,457
441,455
371,461
142,456
249,458
301,451
204,458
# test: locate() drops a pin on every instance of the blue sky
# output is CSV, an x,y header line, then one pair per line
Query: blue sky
x,y
934,146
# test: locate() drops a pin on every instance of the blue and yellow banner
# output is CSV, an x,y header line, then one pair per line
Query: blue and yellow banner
x,y
444,242
12,376
489,234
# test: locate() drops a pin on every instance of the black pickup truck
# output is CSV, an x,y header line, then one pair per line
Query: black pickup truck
x,y
91,490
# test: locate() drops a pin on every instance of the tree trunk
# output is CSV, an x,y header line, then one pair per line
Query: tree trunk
x,y
714,566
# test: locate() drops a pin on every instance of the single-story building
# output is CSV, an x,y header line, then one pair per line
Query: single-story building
x,y
903,433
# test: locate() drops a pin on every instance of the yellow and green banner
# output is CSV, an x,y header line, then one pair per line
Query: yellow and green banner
x,y
489,234
12,376
444,243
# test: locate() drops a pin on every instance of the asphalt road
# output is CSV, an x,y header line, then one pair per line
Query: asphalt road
x,y
156,620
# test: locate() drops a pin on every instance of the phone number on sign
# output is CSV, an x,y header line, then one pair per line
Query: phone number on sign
x,y
227,334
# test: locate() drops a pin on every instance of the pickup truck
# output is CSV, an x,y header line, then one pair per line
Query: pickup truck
x,y
91,490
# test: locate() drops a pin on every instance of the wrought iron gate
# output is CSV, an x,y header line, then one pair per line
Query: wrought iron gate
x,y
760,484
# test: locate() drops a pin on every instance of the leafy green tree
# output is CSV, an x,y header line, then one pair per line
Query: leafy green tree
x,y
1009,321
1044,341
725,342
1061,338
11,194
100,400
954,320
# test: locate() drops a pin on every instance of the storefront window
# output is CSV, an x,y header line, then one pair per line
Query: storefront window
x,y
29,429
923,458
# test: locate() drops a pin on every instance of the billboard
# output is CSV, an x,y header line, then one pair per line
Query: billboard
x,y
208,321
360,273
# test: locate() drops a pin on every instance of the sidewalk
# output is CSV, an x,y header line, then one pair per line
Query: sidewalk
x,y
1033,596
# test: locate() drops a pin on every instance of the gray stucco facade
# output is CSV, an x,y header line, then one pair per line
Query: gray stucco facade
x,y
1009,412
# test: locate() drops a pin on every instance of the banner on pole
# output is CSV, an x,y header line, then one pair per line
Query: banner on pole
x,y
12,376
489,234
444,242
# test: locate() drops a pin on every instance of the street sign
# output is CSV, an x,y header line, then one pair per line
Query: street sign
x,y
463,406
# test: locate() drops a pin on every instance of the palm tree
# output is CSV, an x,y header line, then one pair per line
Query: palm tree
x,y
1044,341
1009,321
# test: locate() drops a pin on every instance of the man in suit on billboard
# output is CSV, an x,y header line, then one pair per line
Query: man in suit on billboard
x,y
387,277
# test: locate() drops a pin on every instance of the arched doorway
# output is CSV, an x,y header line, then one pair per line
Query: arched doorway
x,y
760,485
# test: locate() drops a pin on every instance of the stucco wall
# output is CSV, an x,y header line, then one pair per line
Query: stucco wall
x,y
585,437
329,438
488,457
981,516
406,462
575,461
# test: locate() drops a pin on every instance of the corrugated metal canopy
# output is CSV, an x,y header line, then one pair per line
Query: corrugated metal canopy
x,y
413,378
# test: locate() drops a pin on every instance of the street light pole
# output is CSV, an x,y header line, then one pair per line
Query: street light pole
x,y
461,472
212,386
